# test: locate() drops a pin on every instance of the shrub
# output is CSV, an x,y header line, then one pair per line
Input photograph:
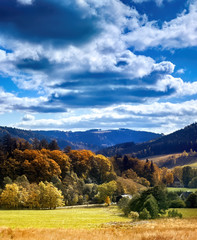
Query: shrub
x,y
178,203
191,201
172,196
133,215
174,214
123,204
144,214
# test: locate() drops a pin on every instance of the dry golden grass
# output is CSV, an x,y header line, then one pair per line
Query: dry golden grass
x,y
163,229
162,158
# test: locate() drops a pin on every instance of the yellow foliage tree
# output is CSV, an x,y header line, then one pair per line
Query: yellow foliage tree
x,y
50,197
108,201
13,196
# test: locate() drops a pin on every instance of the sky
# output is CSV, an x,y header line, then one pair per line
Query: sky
x,y
108,64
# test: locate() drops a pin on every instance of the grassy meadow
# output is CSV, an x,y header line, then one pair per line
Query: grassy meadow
x,y
188,212
93,223
60,218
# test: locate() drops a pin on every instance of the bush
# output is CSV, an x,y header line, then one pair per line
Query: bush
x,y
144,214
173,196
174,214
191,201
177,204
123,204
133,215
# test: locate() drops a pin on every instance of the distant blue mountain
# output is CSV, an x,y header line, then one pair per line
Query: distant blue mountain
x,y
93,139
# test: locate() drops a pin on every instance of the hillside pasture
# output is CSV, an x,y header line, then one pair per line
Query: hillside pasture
x,y
162,158
173,160
192,165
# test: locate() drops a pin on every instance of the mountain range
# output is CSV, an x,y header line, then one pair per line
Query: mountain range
x,y
94,139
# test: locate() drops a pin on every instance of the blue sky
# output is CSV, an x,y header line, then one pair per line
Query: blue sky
x,y
82,64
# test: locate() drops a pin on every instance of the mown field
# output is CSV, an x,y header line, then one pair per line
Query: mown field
x,y
192,165
93,224
162,158
171,189
60,218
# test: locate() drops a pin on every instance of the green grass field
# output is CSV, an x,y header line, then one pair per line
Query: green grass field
x,y
75,218
188,212
171,189
60,218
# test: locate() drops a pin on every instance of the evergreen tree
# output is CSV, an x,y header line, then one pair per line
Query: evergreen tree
x,y
187,175
53,145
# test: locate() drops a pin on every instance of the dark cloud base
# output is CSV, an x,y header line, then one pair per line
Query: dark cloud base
x,y
45,22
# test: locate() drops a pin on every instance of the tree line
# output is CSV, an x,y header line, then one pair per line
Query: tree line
x,y
77,176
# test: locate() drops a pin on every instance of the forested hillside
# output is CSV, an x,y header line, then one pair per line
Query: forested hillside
x,y
184,139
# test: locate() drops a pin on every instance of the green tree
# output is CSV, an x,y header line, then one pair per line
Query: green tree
x,y
53,145
191,201
193,183
151,205
106,189
187,175
7,180
154,199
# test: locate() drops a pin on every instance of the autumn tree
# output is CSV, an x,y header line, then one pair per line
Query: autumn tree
x,y
108,200
80,160
125,186
13,196
167,176
33,199
50,197
101,169
60,158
